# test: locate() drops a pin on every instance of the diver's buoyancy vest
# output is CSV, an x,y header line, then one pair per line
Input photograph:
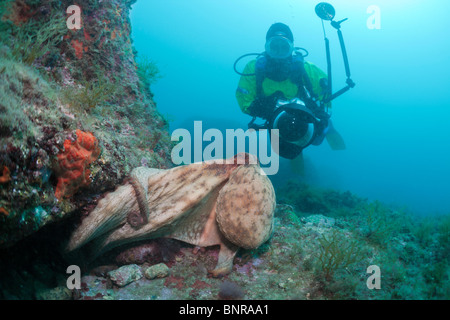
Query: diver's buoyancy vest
x,y
295,71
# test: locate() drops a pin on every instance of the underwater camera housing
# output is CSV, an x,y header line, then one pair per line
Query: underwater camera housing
x,y
298,122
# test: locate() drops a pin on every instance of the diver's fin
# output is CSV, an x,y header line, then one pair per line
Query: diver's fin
x,y
334,139
298,165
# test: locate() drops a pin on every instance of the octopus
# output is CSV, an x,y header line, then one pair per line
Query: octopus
x,y
216,202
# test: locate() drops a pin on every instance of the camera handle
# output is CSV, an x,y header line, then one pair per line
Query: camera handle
x,y
253,125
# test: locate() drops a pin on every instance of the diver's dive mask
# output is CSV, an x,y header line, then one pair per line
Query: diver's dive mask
x,y
279,46
295,122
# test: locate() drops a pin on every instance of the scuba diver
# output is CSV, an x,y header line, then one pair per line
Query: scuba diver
x,y
291,94
281,77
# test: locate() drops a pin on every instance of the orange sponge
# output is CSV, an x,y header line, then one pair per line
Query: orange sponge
x,y
5,176
72,166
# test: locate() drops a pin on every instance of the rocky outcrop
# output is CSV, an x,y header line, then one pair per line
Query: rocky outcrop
x,y
57,84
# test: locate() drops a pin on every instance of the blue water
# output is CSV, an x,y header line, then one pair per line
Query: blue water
x,y
395,122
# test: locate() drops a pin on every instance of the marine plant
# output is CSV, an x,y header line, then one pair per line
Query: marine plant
x,y
89,93
13,121
444,234
34,39
380,225
21,85
148,72
337,252
5,23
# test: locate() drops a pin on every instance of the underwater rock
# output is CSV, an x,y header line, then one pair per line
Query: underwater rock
x,y
210,203
319,220
157,271
148,252
152,252
230,291
125,275
49,90
58,293
102,271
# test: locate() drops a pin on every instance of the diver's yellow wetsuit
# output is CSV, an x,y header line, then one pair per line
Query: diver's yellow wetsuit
x,y
246,92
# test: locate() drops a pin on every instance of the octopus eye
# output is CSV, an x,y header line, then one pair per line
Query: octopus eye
x,y
135,219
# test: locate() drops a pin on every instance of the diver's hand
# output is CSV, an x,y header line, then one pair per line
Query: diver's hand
x,y
264,107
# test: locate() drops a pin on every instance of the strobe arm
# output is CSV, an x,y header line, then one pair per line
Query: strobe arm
x,y
349,81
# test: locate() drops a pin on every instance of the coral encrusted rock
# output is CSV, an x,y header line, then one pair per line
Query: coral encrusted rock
x,y
73,163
